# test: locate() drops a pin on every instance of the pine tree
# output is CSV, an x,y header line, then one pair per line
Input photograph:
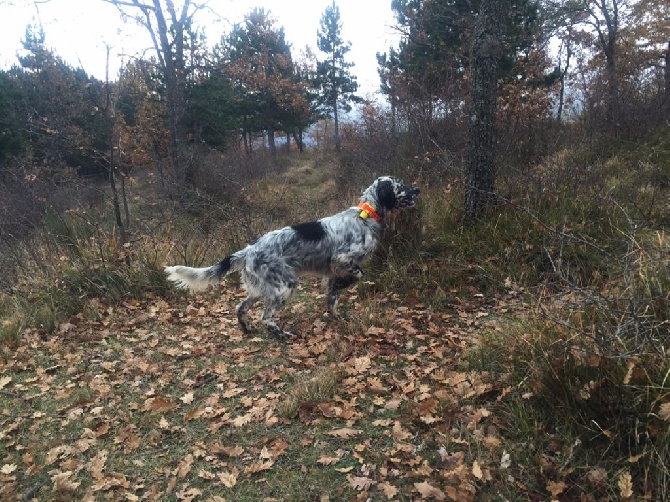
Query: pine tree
x,y
263,76
338,85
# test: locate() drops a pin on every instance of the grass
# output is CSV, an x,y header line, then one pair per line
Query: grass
x,y
524,357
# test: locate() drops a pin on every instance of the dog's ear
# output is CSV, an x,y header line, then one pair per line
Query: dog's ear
x,y
386,194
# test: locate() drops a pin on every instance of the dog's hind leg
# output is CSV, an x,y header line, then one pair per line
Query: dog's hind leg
x,y
268,318
242,310
273,302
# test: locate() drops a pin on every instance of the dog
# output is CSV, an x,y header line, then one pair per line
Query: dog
x,y
332,247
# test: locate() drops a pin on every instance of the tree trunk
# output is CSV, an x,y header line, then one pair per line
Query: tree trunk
x,y
110,123
480,169
564,73
297,136
271,141
336,121
666,97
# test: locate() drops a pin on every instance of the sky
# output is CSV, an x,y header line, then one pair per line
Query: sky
x,y
79,30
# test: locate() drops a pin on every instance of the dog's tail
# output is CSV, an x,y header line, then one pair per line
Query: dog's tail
x,y
199,279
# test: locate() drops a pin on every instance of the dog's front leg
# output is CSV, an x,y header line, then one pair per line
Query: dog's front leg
x,y
345,275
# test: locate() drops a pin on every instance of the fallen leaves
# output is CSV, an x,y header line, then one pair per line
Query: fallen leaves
x,y
186,408
360,483
63,482
664,412
426,490
158,405
556,488
625,484
344,433
8,468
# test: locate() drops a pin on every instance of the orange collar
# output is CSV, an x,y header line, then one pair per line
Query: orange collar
x,y
368,210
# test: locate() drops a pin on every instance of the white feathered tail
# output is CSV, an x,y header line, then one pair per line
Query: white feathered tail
x,y
199,279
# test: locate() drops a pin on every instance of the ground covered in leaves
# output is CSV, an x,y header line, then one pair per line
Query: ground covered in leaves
x,y
167,400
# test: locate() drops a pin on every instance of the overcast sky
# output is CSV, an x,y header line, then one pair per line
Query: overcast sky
x,y
78,30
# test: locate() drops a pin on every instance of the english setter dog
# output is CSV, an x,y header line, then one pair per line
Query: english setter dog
x,y
332,247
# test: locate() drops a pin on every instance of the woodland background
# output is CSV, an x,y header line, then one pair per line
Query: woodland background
x,y
509,341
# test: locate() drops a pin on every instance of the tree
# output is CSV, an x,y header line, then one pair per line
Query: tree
x,y
12,139
140,113
58,110
114,151
268,92
338,85
485,58
426,77
169,29
605,18
625,69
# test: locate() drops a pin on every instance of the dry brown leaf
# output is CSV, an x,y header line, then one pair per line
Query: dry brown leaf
x,y
477,470
102,429
208,475
376,385
4,381
388,489
382,423
232,392
393,404
228,479
195,413
344,433
625,485
360,483
113,480
556,488
597,476
62,482
96,466
184,466
325,460
400,434
328,410
278,447
664,412
54,453
8,468
242,420
427,490
229,451
362,364
187,398
159,405
258,466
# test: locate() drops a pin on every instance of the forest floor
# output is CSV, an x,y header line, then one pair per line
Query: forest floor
x,y
159,400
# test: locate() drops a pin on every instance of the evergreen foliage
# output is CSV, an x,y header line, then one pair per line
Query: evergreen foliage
x,y
338,85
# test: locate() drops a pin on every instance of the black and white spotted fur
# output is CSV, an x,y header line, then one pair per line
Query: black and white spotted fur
x,y
333,247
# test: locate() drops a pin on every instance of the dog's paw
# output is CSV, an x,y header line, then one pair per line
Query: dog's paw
x,y
278,333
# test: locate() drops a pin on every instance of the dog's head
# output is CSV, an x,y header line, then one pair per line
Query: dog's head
x,y
392,193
